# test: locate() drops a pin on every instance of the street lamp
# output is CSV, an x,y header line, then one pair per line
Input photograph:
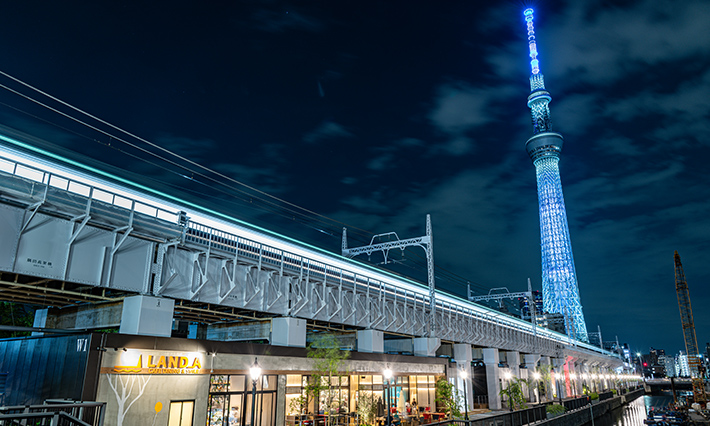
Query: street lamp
x,y
255,373
388,377
507,376
556,378
463,375
536,391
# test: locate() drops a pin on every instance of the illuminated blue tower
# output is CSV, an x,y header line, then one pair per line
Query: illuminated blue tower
x,y
560,294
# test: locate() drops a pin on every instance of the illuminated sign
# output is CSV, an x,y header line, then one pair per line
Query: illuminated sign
x,y
161,364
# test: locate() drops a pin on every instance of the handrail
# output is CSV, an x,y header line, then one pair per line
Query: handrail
x,y
77,413
84,189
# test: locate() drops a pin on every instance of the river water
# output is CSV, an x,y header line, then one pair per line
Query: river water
x,y
634,413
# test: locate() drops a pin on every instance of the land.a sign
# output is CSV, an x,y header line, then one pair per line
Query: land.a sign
x,y
161,364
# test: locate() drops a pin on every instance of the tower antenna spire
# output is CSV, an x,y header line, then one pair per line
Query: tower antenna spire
x,y
532,45
560,293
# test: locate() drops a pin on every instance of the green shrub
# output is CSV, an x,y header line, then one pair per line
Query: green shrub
x,y
447,397
555,409
593,396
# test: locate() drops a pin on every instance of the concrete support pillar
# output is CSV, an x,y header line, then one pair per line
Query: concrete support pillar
x,y
578,377
513,359
288,331
548,385
491,359
463,356
147,316
530,361
40,321
583,375
426,346
606,378
559,377
371,341
569,376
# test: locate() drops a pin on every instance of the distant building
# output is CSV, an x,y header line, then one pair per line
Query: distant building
x,y
524,304
595,338
668,363
658,371
656,366
682,366
554,322
612,346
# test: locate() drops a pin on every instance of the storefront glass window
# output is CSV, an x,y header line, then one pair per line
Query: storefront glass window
x,y
295,395
230,401
181,413
349,391
219,383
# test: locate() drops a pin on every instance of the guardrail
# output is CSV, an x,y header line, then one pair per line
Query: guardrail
x,y
573,404
55,413
83,189
513,418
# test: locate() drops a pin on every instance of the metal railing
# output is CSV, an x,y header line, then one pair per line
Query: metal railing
x,y
573,404
605,395
84,189
55,413
513,418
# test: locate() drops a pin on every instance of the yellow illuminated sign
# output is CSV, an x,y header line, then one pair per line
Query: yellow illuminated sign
x,y
162,364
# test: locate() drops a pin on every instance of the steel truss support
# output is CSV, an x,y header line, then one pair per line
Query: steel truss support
x,y
426,242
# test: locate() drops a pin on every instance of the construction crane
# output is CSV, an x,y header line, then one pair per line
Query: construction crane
x,y
691,341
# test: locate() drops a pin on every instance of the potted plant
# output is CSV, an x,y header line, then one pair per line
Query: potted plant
x,y
554,410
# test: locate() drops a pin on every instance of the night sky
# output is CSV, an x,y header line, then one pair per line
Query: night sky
x,y
372,114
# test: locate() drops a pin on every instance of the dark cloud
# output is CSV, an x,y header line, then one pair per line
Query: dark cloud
x,y
285,19
326,131
376,115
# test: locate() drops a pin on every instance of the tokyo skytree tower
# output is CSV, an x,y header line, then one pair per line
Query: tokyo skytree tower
x,y
560,294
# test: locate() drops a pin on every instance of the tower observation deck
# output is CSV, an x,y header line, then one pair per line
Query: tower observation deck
x,y
559,279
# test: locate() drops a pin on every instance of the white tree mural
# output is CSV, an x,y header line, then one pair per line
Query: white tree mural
x,y
122,386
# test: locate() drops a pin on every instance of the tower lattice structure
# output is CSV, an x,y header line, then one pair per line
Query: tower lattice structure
x,y
559,279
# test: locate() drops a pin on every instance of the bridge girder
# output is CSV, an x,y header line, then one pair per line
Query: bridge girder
x,y
97,242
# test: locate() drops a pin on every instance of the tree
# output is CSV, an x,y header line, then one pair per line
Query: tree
x,y
328,370
16,314
447,396
366,407
544,370
514,392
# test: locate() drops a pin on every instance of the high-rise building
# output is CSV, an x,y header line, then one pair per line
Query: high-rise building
x,y
524,305
668,363
559,279
682,366
653,356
